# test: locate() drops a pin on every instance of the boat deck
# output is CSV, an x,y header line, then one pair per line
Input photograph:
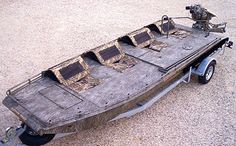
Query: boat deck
x,y
51,103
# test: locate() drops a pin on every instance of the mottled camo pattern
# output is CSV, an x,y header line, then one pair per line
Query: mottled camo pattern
x,y
56,71
158,25
84,84
181,34
144,44
113,59
124,63
157,45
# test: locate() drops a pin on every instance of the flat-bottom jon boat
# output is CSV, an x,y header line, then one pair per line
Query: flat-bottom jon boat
x,y
112,81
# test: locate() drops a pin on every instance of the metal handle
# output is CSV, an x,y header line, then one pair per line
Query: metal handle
x,y
165,17
23,84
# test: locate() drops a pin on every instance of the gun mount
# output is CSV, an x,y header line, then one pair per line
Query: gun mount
x,y
202,18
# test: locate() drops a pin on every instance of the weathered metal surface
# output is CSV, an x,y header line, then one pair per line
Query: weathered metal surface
x,y
84,84
177,49
111,112
114,90
109,53
181,34
141,38
124,63
123,76
157,45
162,27
112,55
43,109
71,71
165,29
59,96
134,51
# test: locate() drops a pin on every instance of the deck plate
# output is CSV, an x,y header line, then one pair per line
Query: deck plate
x,y
113,90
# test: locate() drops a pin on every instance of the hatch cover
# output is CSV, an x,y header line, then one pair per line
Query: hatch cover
x,y
60,96
141,38
162,27
109,53
71,71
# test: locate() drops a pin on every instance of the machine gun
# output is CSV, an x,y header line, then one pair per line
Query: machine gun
x,y
202,19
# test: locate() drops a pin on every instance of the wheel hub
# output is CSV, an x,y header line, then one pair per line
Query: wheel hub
x,y
209,72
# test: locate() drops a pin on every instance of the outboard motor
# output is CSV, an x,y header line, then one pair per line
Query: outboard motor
x,y
203,17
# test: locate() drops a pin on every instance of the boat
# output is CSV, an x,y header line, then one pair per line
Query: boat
x,y
115,79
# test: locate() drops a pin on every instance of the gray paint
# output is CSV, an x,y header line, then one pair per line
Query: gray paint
x,y
50,107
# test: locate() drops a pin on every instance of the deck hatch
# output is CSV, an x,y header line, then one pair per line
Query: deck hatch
x,y
142,37
162,27
109,53
60,97
71,70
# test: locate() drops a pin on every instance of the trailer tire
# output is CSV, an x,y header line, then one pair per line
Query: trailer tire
x,y
35,140
208,73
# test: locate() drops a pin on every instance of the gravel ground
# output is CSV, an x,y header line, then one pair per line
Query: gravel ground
x,y
34,35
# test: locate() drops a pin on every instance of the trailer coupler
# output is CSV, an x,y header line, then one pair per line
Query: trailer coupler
x,y
11,134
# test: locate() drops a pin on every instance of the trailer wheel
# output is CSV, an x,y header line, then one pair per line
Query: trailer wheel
x,y
208,73
29,137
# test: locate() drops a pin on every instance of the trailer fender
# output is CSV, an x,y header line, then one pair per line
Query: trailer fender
x,y
200,70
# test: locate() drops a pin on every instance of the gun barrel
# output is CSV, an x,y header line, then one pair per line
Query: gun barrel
x,y
188,7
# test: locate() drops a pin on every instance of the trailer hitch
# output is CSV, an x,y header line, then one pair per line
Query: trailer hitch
x,y
11,134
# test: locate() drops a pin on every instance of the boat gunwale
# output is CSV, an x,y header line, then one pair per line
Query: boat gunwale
x,y
165,77
176,71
